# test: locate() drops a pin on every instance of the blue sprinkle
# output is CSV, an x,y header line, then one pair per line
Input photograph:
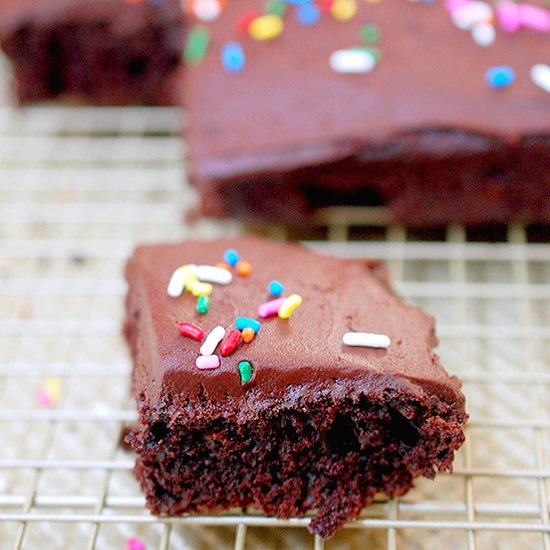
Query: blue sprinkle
x,y
308,13
244,322
276,288
500,77
231,257
233,59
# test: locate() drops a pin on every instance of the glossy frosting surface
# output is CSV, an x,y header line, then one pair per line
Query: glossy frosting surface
x,y
338,296
288,108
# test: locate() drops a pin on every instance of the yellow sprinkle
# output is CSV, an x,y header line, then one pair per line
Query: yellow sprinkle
x,y
52,386
289,305
200,289
190,281
343,10
266,27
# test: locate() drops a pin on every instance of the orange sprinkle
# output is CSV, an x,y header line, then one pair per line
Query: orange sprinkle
x,y
243,268
223,265
248,335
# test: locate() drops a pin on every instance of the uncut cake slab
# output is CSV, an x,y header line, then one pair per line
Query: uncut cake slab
x,y
269,376
105,52
439,111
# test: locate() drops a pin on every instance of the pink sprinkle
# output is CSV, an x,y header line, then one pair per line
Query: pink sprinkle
x,y
207,362
43,397
509,16
534,17
134,544
452,5
269,309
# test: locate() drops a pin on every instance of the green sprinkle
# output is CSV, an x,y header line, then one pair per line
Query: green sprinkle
x,y
375,52
203,303
245,370
370,34
275,7
196,46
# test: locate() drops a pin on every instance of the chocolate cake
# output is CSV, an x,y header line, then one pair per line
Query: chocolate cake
x,y
108,52
446,117
295,420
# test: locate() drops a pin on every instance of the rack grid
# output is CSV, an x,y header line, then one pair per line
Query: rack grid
x,y
79,187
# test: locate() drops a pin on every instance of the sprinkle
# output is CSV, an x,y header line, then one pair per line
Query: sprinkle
x,y
203,304
352,61
370,34
200,289
48,394
243,268
471,13
540,75
324,5
269,309
213,274
245,371
207,362
212,340
223,265
191,330
275,6
500,77
248,335
375,52
508,16
343,10
534,17
243,22
191,279
266,27
233,59
196,45
484,34
244,322
275,288
134,543
206,10
307,13
289,306
178,280
366,339
231,342
231,257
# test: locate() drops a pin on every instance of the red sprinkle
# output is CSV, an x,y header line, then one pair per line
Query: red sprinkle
x,y
324,5
243,22
231,342
193,331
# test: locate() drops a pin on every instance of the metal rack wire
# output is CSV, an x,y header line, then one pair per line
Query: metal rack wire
x,y
78,188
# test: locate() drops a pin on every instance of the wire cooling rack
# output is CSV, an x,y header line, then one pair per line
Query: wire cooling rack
x,y
78,188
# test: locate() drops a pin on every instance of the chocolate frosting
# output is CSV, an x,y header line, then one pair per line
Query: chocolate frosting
x,y
287,108
338,296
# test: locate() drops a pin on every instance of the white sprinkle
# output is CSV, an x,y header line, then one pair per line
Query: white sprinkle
x,y
352,61
207,10
470,14
213,274
540,75
177,280
212,340
484,34
366,339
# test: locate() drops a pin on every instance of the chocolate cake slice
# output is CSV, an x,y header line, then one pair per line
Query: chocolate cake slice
x,y
106,52
438,110
294,420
